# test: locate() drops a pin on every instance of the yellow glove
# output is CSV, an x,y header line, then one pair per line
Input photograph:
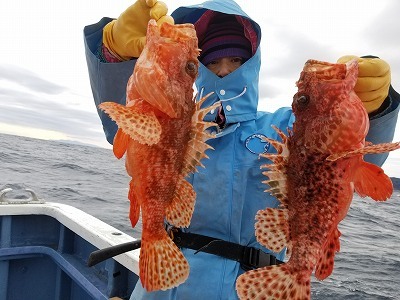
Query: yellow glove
x,y
373,82
126,36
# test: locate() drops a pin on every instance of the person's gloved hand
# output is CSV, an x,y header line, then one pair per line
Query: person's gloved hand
x,y
373,82
126,36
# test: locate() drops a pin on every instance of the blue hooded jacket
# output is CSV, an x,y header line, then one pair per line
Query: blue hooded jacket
x,y
229,189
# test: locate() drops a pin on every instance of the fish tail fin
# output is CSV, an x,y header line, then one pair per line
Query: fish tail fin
x,y
273,282
180,210
134,208
370,180
162,265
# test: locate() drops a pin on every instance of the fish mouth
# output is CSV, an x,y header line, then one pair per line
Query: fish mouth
x,y
325,70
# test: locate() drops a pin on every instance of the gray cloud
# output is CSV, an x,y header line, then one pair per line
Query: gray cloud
x,y
299,48
41,106
29,80
383,34
38,105
381,37
267,89
385,28
31,111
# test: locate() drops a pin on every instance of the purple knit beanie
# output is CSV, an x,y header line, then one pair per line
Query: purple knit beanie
x,y
224,37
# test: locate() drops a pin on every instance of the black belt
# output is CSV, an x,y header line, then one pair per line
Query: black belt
x,y
248,257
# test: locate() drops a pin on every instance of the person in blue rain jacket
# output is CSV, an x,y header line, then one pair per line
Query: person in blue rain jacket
x,y
229,189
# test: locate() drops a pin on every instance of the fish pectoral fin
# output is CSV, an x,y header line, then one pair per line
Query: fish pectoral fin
x,y
134,208
180,210
369,149
327,258
143,127
120,143
273,282
161,265
370,180
272,228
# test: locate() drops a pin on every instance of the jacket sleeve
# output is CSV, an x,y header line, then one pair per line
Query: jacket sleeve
x,y
383,125
108,80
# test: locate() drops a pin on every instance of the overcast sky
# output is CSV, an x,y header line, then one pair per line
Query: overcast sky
x,y
44,84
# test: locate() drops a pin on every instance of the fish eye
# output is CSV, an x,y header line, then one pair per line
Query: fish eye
x,y
303,100
191,68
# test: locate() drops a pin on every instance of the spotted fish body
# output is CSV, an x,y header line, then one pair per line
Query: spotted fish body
x,y
314,174
162,132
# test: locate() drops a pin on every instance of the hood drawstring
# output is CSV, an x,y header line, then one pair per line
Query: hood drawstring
x,y
201,93
237,96
220,119
224,100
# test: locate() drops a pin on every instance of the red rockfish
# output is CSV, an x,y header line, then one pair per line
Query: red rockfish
x,y
162,132
314,174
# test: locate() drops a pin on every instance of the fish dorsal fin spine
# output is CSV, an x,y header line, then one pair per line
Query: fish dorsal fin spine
x,y
197,145
179,212
277,170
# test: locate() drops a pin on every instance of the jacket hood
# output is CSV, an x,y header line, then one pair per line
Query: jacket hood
x,y
238,91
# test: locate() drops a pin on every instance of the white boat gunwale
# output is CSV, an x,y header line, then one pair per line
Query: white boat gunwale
x,y
95,231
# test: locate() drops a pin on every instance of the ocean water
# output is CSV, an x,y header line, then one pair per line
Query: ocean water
x,y
90,178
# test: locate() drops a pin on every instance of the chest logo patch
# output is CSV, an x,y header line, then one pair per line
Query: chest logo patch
x,y
256,144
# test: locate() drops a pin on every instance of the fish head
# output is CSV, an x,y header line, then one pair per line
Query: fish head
x,y
329,116
165,72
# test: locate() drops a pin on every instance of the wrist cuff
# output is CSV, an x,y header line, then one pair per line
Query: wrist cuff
x,y
106,56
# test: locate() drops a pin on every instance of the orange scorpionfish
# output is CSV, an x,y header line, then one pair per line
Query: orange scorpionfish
x,y
314,174
162,132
